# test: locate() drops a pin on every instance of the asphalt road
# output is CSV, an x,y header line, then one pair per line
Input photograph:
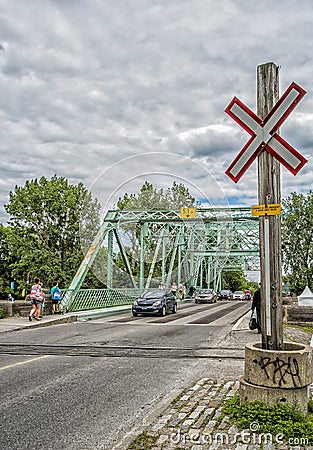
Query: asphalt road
x,y
85,385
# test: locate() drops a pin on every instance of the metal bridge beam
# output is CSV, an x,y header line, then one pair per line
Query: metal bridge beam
x,y
218,237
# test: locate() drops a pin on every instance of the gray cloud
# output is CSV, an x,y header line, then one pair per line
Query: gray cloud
x,y
86,84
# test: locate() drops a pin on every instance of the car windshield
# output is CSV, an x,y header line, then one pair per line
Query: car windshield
x,y
224,292
153,294
205,291
239,292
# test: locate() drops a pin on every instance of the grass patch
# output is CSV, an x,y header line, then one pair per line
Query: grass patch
x,y
299,327
1,312
290,329
144,441
281,418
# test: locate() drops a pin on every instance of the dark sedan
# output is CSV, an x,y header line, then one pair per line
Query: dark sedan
x,y
158,301
225,295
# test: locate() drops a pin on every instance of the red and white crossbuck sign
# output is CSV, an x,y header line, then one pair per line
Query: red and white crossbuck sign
x,y
264,133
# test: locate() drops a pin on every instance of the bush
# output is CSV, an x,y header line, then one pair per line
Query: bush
x,y
280,418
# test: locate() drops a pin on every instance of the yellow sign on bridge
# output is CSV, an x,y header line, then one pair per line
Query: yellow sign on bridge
x,y
188,213
272,209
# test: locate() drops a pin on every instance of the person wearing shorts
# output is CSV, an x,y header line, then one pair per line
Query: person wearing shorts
x,y
56,298
36,299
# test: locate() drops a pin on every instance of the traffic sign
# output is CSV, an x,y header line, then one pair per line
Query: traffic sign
x,y
264,134
273,209
188,213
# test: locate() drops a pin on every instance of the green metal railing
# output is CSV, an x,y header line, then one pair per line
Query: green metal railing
x,y
88,299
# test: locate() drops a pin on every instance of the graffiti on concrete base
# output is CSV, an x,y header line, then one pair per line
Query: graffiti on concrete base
x,y
280,371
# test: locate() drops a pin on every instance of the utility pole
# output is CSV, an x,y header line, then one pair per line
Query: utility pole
x,y
269,192
260,381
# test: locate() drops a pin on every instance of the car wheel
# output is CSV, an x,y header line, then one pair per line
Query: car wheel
x,y
174,310
196,301
135,314
163,311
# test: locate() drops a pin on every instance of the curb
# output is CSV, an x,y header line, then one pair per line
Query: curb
x,y
15,324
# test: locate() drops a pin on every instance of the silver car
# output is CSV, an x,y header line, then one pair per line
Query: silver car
x,y
206,296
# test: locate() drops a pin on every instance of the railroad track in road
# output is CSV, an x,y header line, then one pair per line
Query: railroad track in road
x,y
219,353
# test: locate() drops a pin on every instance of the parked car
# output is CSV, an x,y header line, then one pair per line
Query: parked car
x,y
225,294
206,296
158,301
239,295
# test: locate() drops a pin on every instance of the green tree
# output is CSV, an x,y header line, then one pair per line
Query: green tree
x,y
234,280
252,285
297,238
149,198
49,219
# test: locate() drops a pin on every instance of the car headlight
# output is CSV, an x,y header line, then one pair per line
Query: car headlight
x,y
135,303
158,303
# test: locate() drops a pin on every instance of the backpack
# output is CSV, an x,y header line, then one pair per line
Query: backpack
x,y
57,294
36,294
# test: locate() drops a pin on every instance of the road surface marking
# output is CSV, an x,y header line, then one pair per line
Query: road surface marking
x,y
23,362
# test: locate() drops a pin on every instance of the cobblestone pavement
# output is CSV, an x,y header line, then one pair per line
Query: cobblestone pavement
x,y
195,421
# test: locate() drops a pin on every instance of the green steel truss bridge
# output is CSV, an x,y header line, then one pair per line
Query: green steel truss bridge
x,y
164,248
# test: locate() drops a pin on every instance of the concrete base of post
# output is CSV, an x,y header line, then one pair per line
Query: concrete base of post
x,y
297,397
272,376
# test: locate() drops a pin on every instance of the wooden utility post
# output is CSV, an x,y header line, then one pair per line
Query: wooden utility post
x,y
260,381
269,192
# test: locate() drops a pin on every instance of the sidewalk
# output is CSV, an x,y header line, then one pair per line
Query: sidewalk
x,y
19,322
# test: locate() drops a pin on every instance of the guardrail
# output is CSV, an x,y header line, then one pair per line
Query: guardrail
x,y
88,299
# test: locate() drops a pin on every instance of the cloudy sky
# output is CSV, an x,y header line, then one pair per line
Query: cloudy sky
x,y
115,92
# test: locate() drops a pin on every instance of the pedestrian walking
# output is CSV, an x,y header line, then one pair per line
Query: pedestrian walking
x,y
181,291
37,297
256,305
191,291
56,296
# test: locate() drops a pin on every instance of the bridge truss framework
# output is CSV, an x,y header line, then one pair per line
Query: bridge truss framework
x,y
168,248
